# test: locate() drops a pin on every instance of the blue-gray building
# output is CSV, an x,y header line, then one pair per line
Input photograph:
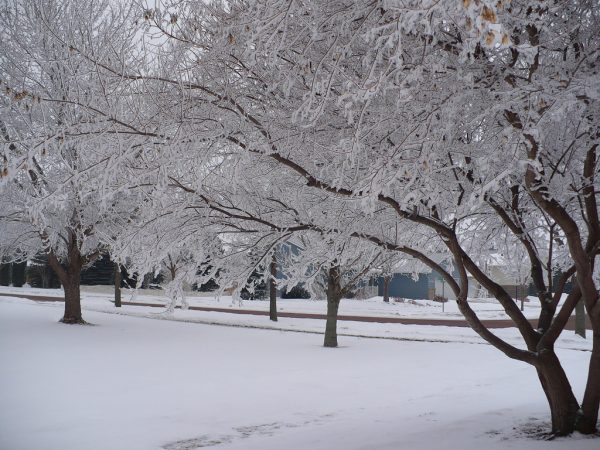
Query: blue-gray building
x,y
403,285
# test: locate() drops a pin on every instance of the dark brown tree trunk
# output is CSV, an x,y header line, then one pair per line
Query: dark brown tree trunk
x,y
588,418
583,258
334,295
331,325
563,404
117,285
386,289
72,297
70,278
273,290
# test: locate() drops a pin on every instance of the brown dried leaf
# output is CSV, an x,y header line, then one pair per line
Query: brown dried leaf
x,y
21,95
488,14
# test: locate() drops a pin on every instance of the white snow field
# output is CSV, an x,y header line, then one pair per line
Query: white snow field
x,y
98,298
486,308
136,383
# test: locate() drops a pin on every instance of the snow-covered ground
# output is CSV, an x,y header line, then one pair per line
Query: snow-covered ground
x,y
485,308
133,383
98,298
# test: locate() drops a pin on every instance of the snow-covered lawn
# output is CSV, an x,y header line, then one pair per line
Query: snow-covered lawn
x,y
133,383
485,308
98,298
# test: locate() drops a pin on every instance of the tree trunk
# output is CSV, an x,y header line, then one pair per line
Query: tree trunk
x,y
563,404
273,290
70,277
146,280
386,289
588,416
331,325
72,298
117,285
334,295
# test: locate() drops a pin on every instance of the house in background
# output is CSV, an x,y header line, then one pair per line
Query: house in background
x,y
413,280
410,279
404,285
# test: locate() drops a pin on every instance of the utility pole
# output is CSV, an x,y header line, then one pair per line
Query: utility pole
x,y
273,289
522,299
443,293
580,319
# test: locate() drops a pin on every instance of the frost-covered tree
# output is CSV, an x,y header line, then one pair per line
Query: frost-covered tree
x,y
62,144
423,127
333,265
425,114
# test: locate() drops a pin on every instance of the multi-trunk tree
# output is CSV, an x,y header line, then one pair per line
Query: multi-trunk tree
x,y
429,115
